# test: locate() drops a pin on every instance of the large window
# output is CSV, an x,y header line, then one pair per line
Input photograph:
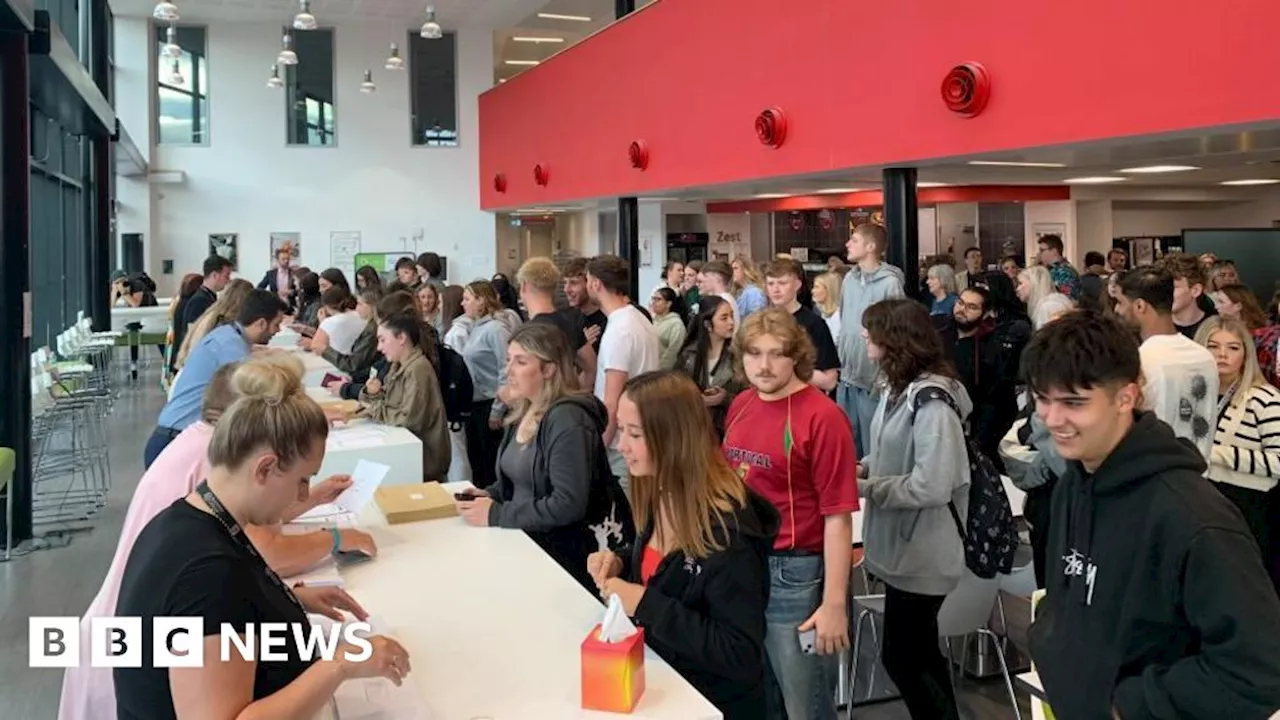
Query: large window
x,y
59,240
433,90
310,116
182,97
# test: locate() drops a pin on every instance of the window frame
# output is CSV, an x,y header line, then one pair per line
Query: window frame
x,y
194,94
411,61
289,71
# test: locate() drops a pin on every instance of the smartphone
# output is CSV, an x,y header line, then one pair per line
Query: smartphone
x,y
464,497
809,641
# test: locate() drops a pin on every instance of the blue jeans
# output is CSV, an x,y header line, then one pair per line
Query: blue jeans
x,y
159,440
860,405
805,685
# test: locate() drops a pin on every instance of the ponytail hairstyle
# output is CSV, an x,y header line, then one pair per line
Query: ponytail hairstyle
x,y
338,300
273,411
413,327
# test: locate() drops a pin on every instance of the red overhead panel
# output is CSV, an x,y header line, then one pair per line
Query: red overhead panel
x,y
875,198
864,84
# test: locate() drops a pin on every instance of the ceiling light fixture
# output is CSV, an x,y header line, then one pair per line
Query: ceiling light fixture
x,y
1153,169
165,12
287,56
770,196
1012,163
171,48
1100,180
522,62
931,185
1252,181
571,18
367,86
834,191
274,81
538,39
176,77
431,29
304,20
394,61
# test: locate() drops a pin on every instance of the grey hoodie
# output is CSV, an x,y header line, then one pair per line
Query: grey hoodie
x,y
915,467
858,292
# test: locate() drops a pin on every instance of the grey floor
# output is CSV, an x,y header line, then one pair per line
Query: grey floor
x,y
62,582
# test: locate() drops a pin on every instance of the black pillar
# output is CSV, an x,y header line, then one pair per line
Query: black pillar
x,y
902,224
629,239
622,8
97,179
15,303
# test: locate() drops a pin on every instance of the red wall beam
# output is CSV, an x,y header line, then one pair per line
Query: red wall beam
x,y
860,84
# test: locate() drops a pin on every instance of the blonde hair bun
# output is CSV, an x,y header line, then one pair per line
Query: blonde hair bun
x,y
273,377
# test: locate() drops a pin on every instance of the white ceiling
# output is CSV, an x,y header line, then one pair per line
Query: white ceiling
x,y
450,13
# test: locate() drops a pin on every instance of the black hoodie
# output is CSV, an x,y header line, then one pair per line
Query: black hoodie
x,y
706,617
1157,603
573,487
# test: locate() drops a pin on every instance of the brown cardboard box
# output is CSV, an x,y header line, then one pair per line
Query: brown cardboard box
x,y
411,503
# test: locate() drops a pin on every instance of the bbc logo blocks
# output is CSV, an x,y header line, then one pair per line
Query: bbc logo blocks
x,y
57,642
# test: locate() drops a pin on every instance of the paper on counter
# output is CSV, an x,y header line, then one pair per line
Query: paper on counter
x,y
354,436
327,514
365,480
322,575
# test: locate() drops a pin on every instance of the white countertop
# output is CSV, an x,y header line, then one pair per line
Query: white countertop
x,y
493,625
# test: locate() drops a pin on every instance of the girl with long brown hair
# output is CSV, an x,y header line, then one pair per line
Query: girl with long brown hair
x,y
697,578
222,312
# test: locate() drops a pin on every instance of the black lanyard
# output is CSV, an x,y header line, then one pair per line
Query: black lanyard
x,y
242,541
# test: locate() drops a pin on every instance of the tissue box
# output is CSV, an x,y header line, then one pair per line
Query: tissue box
x,y
612,673
411,503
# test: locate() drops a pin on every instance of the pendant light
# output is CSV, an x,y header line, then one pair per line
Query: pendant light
x,y
274,81
287,56
165,12
171,48
304,20
431,29
176,78
394,61
367,86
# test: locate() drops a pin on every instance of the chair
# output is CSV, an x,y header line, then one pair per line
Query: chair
x,y
8,464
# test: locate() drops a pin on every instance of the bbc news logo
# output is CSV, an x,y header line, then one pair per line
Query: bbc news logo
x,y
55,642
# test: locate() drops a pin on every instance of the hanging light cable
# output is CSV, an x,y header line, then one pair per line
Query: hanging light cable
x,y
431,29
287,56
304,20
176,78
165,12
274,81
394,61
171,48
367,86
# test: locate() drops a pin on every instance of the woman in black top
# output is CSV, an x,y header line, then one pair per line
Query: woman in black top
x,y
553,477
193,560
697,579
307,316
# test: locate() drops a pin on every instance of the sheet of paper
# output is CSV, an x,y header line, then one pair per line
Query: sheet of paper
x,y
354,436
324,574
327,514
365,480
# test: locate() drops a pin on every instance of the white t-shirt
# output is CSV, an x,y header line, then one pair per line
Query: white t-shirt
x,y
343,329
630,344
1180,385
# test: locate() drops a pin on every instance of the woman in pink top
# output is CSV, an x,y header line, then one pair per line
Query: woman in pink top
x,y
88,692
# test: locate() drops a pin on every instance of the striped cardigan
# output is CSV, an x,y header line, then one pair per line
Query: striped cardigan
x,y
1249,457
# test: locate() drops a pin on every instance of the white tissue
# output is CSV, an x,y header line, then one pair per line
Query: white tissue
x,y
616,626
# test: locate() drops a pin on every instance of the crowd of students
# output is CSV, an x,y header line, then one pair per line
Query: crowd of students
x,y
718,443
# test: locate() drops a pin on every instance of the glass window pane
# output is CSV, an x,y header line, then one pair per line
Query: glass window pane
x,y
309,89
433,90
182,98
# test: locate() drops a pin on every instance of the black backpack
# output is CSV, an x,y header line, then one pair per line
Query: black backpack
x,y
455,386
990,537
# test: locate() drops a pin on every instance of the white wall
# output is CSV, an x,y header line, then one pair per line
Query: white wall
x,y
1169,218
248,181
731,234
955,225
1094,228
133,107
1054,212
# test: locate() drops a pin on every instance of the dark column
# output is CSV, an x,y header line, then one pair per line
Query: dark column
x,y
622,8
902,220
629,239
15,232
97,179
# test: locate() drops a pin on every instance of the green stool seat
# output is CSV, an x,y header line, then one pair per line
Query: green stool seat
x,y
8,464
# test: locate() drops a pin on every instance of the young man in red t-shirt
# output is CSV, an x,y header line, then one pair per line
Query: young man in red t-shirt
x,y
794,446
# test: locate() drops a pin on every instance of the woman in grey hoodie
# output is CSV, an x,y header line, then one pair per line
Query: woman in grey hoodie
x,y
915,473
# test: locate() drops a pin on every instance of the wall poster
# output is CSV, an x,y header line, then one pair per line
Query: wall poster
x,y
290,241
227,245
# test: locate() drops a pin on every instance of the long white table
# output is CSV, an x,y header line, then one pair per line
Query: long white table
x,y
493,625
395,447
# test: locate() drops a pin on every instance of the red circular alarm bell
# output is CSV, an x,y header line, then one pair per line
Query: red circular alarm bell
x,y
638,153
771,127
500,183
966,89
541,174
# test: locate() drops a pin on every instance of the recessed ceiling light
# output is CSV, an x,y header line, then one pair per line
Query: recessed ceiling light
x,y
1101,180
571,18
1011,163
522,62
1254,181
538,39
930,185
829,191
1152,169
767,196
